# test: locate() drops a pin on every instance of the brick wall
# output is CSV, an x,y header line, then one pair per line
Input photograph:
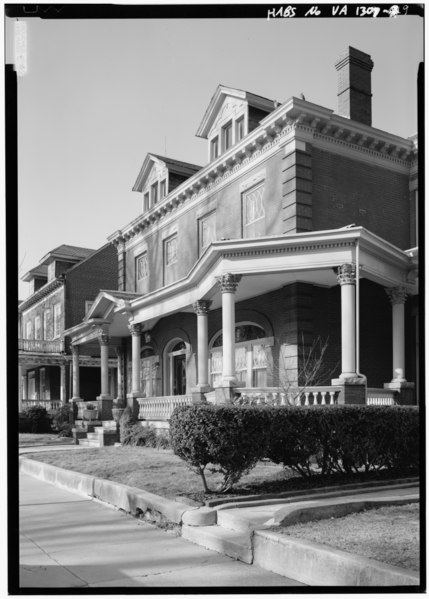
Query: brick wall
x,y
84,281
347,191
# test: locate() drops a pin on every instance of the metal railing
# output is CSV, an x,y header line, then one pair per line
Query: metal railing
x,y
381,397
43,346
50,404
276,396
161,408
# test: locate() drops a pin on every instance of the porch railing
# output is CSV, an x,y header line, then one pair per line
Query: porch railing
x,y
43,346
380,397
50,404
161,408
297,397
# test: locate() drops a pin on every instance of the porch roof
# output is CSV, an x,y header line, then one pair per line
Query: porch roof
x,y
266,264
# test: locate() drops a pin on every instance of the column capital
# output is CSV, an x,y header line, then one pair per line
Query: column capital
x,y
103,337
228,282
135,329
346,274
397,295
202,306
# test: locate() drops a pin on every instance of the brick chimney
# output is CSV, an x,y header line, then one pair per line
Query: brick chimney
x,y
354,85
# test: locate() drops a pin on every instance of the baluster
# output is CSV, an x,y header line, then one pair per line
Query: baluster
x,y
323,394
315,395
306,402
332,401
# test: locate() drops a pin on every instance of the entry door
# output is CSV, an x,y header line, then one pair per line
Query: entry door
x,y
179,374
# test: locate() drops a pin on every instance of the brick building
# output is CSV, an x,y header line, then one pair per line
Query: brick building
x,y
299,234
63,286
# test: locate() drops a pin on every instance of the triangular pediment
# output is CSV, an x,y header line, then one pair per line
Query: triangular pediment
x,y
152,169
228,101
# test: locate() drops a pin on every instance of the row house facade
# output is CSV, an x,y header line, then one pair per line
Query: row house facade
x,y
63,287
300,230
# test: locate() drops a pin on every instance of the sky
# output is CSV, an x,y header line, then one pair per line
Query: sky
x,y
98,95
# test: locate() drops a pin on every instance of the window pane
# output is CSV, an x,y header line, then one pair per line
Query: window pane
x,y
154,193
227,136
171,251
239,129
163,187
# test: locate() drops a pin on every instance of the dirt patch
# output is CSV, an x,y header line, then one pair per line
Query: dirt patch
x,y
388,534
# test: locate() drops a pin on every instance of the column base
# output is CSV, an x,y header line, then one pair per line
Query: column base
x,y
353,390
226,391
406,391
199,393
133,403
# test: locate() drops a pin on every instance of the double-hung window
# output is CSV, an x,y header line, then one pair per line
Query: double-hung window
x,y
146,202
57,319
154,193
214,148
142,267
254,211
170,259
227,136
239,129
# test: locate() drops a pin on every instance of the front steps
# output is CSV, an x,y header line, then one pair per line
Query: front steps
x,y
96,434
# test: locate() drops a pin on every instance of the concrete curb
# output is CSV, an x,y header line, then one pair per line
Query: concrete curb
x,y
318,565
129,499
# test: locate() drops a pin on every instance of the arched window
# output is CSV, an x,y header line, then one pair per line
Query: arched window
x,y
251,356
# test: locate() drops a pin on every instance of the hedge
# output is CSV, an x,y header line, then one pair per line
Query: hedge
x,y
231,439
334,438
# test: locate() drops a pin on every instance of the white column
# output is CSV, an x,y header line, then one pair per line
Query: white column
x,y
201,309
398,296
228,286
104,339
135,330
119,381
63,394
76,382
346,275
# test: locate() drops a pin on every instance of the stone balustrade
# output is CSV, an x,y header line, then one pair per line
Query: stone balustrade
x,y
381,397
161,408
50,404
275,396
43,346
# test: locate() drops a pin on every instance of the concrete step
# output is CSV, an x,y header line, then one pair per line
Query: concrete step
x,y
244,520
108,424
235,544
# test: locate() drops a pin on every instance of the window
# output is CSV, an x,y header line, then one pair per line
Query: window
x,y
252,356
163,189
146,202
227,136
214,148
239,129
207,230
38,327
142,268
46,323
254,211
154,193
170,250
29,330
57,317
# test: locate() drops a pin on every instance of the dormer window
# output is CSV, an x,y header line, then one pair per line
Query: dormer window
x,y
227,136
154,193
239,129
214,148
146,201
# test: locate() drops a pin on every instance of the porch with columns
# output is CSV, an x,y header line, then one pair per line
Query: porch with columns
x,y
238,270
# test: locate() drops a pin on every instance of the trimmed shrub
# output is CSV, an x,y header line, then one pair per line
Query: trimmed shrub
x,y
137,435
126,422
230,438
345,438
61,420
38,419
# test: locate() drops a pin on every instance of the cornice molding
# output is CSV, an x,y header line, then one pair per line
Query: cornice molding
x,y
320,126
41,293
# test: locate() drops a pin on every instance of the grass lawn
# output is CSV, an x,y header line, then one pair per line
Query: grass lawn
x,y
387,534
161,472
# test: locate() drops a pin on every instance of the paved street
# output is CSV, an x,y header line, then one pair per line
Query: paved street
x,y
69,541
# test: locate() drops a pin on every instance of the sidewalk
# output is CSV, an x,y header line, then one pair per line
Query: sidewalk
x,y
68,541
